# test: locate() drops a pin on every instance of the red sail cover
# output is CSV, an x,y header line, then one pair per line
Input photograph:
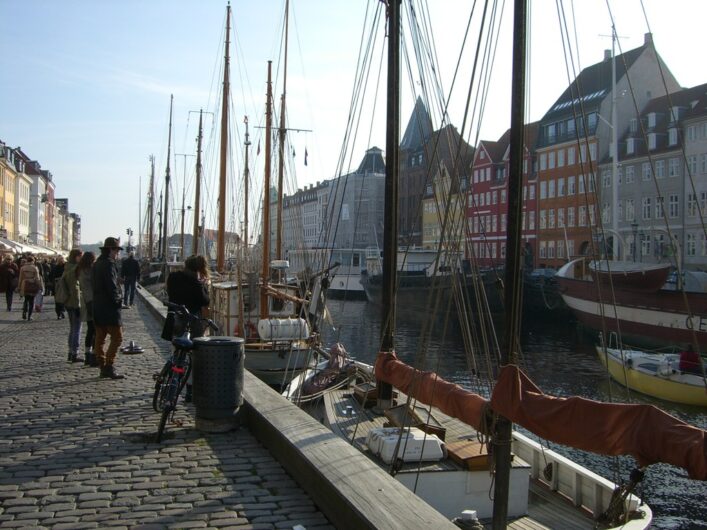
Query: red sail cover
x,y
431,389
643,431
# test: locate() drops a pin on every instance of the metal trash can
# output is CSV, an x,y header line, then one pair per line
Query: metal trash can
x,y
217,371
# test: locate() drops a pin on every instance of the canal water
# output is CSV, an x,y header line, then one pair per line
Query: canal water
x,y
561,360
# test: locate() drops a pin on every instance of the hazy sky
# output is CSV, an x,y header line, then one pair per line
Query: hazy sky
x,y
85,84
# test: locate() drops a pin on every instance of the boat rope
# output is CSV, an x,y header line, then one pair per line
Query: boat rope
x,y
616,514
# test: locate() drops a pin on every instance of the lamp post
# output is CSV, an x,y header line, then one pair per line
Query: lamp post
x,y
634,229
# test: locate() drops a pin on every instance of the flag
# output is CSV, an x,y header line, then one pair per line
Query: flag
x,y
293,153
306,154
258,148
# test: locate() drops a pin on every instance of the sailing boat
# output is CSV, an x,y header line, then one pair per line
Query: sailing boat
x,y
442,450
263,309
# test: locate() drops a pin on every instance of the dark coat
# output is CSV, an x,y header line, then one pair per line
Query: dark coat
x,y
107,294
186,289
9,276
130,268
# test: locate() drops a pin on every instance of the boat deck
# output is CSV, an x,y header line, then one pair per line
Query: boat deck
x,y
546,509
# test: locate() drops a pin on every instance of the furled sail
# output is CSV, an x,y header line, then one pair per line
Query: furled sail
x,y
642,431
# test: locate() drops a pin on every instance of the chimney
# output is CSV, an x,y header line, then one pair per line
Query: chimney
x,y
648,38
607,55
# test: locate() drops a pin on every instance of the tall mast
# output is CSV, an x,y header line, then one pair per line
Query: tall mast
x,y
266,197
151,210
614,153
165,208
221,246
282,133
390,226
512,294
140,240
197,193
246,178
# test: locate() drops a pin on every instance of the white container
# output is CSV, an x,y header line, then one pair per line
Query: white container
x,y
283,329
415,445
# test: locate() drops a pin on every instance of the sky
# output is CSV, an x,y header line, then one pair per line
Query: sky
x,y
85,86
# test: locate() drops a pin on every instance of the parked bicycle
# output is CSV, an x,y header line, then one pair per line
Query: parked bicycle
x,y
175,373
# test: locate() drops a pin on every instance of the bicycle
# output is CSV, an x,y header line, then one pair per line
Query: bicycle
x,y
174,375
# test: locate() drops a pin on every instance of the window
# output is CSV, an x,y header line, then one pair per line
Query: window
x,y
503,196
542,249
692,164
561,158
570,248
630,146
691,245
673,206
646,208
570,185
560,249
551,160
504,222
551,189
582,216
561,187
543,220
570,216
531,220
652,140
560,218
591,182
592,215
606,213
488,174
494,223
543,190
691,205
630,212
703,163
659,210
606,178
592,152
630,174
570,155
532,192
551,218
581,184
543,161
646,171
550,249
633,125
703,201
660,169
651,120
672,136
674,167
494,197
645,245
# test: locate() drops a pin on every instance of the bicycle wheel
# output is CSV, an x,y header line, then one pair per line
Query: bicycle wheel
x,y
160,386
163,422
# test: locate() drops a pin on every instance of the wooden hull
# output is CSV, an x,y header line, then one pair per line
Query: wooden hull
x,y
647,318
654,375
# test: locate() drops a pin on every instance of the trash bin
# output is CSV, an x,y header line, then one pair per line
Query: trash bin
x,y
217,370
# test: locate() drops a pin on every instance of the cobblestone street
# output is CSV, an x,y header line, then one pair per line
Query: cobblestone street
x,y
76,450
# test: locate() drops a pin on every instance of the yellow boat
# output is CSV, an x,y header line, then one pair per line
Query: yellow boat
x,y
654,374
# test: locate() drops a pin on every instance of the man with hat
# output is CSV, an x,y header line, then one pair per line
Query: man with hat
x,y
107,303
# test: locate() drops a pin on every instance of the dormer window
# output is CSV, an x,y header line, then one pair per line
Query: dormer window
x,y
672,136
674,114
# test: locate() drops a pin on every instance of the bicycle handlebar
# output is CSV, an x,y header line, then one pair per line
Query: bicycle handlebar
x,y
182,311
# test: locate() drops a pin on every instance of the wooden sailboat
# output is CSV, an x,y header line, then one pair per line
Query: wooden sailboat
x,y
417,412
262,308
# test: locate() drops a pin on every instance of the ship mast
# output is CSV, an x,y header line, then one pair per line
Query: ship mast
x,y
165,208
151,211
220,243
282,133
246,178
266,198
197,193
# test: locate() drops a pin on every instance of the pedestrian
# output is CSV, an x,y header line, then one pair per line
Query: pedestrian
x,y
189,287
690,362
9,278
86,291
46,270
130,272
30,284
56,273
70,278
107,303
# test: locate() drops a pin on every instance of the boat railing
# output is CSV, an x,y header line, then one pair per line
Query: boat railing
x,y
580,486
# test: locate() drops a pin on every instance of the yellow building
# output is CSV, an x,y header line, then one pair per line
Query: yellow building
x,y
442,211
8,185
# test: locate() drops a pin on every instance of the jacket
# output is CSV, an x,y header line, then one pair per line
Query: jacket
x,y
86,292
72,286
130,268
8,276
29,270
107,294
185,288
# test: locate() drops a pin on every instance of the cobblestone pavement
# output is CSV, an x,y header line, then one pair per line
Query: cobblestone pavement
x,y
76,450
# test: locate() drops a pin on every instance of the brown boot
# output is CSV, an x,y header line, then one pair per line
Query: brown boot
x,y
109,372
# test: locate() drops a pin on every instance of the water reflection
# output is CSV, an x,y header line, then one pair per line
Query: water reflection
x,y
562,361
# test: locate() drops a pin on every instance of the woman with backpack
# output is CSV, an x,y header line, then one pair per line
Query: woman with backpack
x,y
30,284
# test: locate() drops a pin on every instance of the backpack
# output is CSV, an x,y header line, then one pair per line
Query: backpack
x,y
30,286
61,292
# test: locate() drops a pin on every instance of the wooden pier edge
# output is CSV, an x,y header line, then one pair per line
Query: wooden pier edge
x,y
350,489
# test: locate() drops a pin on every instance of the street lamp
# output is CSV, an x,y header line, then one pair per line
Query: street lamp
x,y
634,229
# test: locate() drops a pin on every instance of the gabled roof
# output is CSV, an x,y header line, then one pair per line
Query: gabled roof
x,y
372,162
419,127
593,84
451,148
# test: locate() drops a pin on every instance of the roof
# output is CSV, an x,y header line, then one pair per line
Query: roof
x,y
419,127
372,162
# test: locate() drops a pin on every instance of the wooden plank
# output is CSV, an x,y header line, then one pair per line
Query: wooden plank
x,y
351,490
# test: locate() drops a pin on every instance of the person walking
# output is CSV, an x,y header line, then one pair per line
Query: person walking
x,y
70,278
86,291
107,303
56,272
30,284
189,287
9,278
130,272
